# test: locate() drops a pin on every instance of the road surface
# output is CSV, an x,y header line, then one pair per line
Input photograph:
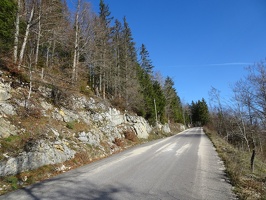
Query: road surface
x,y
184,166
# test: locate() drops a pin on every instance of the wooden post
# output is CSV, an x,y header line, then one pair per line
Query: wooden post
x,y
252,160
156,118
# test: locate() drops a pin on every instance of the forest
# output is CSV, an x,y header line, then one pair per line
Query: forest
x,y
78,49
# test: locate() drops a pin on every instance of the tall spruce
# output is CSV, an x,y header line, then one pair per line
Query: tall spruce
x,y
173,109
129,63
145,61
117,61
160,101
199,113
103,49
147,90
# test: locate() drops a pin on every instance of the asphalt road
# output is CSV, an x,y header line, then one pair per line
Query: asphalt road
x,y
184,166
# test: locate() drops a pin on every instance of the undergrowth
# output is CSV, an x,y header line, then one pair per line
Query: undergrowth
x,y
247,185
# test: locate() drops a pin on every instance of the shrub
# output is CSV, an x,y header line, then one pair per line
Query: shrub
x,y
85,89
119,103
70,125
57,96
30,112
118,142
130,135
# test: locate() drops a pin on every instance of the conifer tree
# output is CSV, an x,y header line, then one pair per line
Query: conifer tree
x,y
200,113
147,90
103,48
145,61
160,101
117,62
173,107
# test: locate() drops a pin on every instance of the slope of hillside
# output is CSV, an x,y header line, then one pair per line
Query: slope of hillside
x,y
45,125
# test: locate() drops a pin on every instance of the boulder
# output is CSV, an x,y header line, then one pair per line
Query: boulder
x,y
68,115
5,91
166,128
7,108
140,125
115,117
90,138
6,128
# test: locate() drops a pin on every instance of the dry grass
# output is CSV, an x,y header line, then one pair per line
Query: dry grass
x,y
23,179
119,142
130,135
247,185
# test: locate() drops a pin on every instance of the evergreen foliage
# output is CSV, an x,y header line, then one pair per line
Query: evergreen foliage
x,y
173,103
105,13
7,21
147,90
199,113
160,101
145,61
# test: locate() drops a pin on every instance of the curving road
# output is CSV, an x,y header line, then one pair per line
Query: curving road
x,y
184,166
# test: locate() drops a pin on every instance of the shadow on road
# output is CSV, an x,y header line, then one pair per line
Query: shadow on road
x,y
189,135
70,187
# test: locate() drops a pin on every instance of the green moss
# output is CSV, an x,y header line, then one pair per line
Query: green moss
x,y
70,125
13,181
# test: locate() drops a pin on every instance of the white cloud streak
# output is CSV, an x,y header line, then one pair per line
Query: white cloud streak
x,y
215,64
228,64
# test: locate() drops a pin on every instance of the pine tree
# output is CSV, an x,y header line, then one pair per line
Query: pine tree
x,y
145,61
173,107
103,49
105,14
147,108
160,101
200,113
117,62
129,69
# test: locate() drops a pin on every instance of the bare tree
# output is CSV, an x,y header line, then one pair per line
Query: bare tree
x,y
38,33
29,23
216,99
16,36
76,54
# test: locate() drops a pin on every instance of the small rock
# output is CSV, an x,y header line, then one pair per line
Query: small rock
x,y
5,155
25,178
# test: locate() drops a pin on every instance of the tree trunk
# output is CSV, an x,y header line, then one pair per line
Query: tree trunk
x,y
75,58
25,38
15,59
252,160
155,110
38,36
47,55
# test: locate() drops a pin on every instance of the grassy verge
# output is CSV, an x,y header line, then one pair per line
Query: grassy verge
x,y
247,185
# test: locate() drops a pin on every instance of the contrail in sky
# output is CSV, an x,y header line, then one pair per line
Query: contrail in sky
x,y
226,64
215,64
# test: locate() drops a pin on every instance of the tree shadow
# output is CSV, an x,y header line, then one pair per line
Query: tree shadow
x,y
73,186
190,135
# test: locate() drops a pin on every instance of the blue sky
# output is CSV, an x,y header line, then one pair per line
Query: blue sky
x,y
198,43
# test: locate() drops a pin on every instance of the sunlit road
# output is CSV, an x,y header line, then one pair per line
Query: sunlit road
x,y
184,166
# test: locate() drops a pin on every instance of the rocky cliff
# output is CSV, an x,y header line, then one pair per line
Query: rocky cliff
x,y
42,124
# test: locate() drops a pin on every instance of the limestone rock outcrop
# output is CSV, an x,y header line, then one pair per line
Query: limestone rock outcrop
x,y
106,123
39,153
